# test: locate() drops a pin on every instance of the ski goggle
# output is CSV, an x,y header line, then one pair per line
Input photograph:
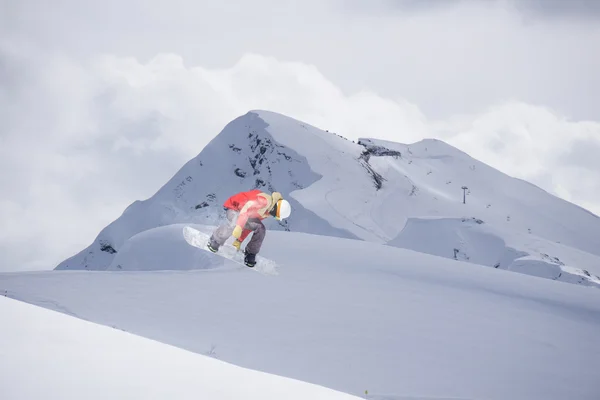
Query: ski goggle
x,y
276,210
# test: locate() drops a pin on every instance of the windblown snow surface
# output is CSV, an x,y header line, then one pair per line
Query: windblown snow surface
x,y
49,355
346,314
374,190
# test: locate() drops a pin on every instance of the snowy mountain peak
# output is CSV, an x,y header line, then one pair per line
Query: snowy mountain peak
x,y
372,190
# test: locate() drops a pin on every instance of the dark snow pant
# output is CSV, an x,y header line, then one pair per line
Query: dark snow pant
x,y
224,231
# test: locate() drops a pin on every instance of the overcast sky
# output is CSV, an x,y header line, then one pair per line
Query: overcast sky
x,y
102,102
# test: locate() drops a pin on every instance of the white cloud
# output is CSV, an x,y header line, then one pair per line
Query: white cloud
x,y
448,57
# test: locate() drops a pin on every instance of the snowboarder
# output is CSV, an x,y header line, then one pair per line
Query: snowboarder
x,y
244,214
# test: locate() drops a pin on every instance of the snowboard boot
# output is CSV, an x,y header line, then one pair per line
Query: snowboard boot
x,y
249,259
212,246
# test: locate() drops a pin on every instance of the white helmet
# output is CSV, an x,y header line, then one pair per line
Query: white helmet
x,y
283,209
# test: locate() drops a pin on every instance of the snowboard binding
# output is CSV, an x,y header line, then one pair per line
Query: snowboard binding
x,y
249,259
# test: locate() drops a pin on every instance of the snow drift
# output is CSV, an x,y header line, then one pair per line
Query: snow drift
x,y
352,316
49,355
471,240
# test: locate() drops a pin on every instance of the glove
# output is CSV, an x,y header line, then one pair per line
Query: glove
x,y
237,244
237,232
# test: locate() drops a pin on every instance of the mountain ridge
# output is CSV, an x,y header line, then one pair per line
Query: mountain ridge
x,y
365,190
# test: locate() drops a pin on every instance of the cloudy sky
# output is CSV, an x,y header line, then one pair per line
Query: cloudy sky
x,y
102,102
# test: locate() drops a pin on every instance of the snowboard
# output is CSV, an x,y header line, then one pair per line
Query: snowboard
x,y
199,239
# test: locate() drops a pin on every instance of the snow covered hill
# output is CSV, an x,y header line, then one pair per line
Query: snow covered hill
x,y
368,191
49,355
345,314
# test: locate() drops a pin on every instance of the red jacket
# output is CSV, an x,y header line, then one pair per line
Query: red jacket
x,y
251,204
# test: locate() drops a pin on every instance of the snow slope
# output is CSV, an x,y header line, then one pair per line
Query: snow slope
x,y
474,241
349,315
366,190
49,355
